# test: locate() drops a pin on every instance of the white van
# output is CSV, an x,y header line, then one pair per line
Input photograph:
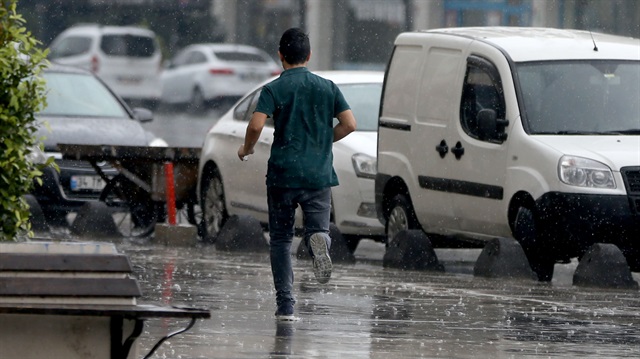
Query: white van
x,y
127,58
527,133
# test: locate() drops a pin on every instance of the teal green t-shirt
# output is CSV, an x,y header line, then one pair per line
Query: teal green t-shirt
x,y
303,106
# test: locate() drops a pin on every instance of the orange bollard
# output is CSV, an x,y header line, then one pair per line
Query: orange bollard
x,y
171,192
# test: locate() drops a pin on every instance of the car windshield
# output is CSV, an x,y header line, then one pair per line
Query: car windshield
x,y
364,100
128,45
581,97
72,94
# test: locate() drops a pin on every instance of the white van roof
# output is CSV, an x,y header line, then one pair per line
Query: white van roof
x,y
539,44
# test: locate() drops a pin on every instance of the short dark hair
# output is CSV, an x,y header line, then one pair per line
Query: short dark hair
x,y
295,46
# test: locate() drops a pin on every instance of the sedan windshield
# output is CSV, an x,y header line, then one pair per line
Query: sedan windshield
x,y
71,94
581,97
364,100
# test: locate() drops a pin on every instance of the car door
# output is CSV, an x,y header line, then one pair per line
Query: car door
x,y
245,181
480,167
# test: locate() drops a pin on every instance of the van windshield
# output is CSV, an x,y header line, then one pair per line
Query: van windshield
x,y
581,97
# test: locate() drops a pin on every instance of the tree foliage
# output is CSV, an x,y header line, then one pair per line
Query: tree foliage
x,y
22,94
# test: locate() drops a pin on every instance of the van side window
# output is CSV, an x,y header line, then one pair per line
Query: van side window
x,y
71,46
482,89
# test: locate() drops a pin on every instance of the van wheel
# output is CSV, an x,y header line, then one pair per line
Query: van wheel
x,y
401,217
214,212
532,242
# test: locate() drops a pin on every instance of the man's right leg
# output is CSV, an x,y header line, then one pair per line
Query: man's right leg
x,y
281,230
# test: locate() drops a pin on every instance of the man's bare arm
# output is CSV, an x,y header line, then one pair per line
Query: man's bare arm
x,y
254,129
346,125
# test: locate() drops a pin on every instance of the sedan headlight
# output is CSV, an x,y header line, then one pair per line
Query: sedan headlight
x,y
584,172
364,165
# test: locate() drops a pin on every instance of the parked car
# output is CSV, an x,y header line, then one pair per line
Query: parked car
x,y
524,133
230,187
81,109
203,73
127,58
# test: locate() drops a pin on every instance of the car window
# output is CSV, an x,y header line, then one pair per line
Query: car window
x,y
195,57
481,90
70,46
239,113
79,95
128,45
364,100
239,56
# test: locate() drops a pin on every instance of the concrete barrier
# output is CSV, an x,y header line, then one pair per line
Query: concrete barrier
x,y
411,250
503,258
95,220
242,233
604,266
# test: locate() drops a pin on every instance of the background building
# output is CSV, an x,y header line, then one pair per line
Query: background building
x,y
344,33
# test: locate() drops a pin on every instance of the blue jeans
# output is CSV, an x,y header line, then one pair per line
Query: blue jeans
x,y
316,207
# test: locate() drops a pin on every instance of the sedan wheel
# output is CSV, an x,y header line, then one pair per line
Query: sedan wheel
x,y
214,213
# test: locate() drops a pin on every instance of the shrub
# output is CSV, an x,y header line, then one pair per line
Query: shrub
x,y
21,96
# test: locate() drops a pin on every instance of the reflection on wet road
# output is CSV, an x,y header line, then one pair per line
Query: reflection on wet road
x,y
368,311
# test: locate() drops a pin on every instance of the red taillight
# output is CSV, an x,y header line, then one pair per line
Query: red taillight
x,y
221,71
95,64
276,72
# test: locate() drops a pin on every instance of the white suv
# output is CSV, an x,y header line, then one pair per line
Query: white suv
x,y
127,58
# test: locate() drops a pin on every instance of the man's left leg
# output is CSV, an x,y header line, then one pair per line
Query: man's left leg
x,y
316,205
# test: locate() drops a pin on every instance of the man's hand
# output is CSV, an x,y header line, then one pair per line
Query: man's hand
x,y
243,155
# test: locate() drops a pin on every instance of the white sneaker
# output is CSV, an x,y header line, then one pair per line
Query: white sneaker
x,y
322,265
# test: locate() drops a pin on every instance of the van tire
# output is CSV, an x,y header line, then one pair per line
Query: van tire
x,y
401,217
526,233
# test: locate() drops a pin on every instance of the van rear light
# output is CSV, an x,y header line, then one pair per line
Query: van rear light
x,y
276,72
95,64
221,71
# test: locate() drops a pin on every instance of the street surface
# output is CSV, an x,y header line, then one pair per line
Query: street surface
x,y
367,311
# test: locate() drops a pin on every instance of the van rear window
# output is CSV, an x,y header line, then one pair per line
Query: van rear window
x,y
128,45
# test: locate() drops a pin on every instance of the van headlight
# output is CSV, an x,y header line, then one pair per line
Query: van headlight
x,y
584,172
364,165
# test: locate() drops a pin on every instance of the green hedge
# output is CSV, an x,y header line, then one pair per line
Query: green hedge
x,y
21,96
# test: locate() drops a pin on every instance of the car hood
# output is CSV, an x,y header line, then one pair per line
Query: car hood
x,y
360,142
91,131
614,151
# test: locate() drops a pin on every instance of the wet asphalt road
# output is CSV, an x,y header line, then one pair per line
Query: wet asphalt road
x,y
367,311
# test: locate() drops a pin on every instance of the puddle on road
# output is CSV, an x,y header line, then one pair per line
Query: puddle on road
x,y
367,311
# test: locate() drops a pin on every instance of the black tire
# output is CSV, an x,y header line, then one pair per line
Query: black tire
x,y
214,211
401,217
198,103
527,234
55,218
134,212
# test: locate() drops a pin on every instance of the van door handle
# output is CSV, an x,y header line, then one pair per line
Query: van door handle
x,y
442,148
458,150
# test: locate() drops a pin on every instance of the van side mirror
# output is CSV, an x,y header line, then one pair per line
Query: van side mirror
x,y
489,127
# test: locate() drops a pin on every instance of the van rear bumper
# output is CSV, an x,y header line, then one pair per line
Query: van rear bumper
x,y
585,219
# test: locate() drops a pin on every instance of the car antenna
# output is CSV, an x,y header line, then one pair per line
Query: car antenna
x,y
595,47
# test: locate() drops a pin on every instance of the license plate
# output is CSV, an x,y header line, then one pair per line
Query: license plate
x,y
130,80
251,76
93,183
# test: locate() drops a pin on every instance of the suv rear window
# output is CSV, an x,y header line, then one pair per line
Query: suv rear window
x,y
239,56
128,45
71,46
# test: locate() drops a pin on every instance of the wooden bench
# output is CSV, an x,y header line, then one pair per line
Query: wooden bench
x,y
75,305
